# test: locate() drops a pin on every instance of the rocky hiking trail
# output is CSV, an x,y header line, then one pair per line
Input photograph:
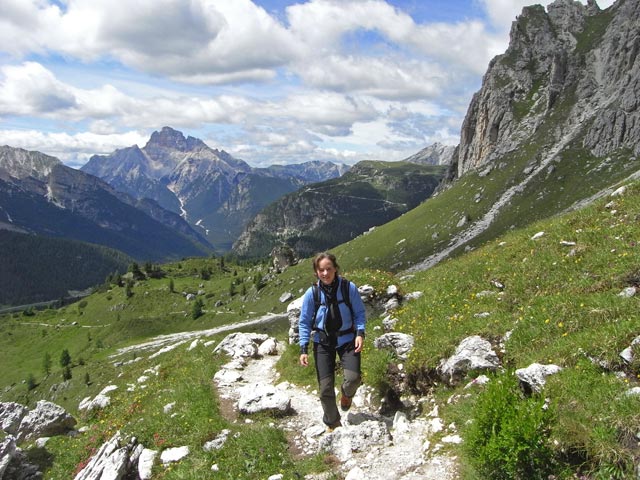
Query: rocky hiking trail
x,y
402,445
367,446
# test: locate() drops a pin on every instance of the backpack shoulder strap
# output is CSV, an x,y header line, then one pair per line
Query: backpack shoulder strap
x,y
346,296
315,289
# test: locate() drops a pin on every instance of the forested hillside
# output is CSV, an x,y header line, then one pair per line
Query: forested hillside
x,y
35,268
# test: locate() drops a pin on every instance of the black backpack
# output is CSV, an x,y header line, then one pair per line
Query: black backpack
x,y
344,289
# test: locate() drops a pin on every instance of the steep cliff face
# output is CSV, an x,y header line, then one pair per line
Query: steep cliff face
x,y
572,60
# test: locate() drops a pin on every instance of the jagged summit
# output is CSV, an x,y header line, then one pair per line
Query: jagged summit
x,y
435,154
173,139
41,195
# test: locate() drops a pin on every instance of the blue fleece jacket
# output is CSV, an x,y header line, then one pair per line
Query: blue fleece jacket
x,y
308,307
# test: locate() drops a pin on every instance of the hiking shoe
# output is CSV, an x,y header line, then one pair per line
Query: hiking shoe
x,y
333,426
345,402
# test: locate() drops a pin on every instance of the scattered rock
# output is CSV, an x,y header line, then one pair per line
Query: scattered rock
x,y
261,397
619,192
286,297
413,295
226,376
534,376
110,461
145,463
479,380
628,292
100,401
47,419
628,353
389,323
11,414
400,343
238,345
218,442
7,452
268,347
172,455
473,353
391,304
344,442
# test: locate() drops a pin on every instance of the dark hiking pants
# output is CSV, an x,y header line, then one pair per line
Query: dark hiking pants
x,y
325,360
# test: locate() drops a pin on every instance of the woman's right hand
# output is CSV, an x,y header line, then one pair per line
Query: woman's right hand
x,y
304,359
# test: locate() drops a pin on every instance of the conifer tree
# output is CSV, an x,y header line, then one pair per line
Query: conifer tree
x,y
65,358
31,382
46,364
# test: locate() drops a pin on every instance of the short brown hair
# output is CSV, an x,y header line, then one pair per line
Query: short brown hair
x,y
322,256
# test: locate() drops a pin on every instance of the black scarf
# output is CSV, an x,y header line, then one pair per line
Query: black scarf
x,y
333,320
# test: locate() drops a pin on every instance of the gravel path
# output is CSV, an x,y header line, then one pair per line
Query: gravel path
x,y
402,458
408,455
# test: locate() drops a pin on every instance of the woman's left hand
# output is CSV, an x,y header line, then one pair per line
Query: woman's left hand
x,y
359,342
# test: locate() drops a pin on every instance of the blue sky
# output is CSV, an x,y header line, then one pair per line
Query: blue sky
x,y
271,81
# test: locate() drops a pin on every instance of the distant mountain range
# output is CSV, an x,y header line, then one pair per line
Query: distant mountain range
x,y
40,195
209,188
177,197
325,214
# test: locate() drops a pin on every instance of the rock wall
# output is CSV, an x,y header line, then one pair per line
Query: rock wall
x,y
571,54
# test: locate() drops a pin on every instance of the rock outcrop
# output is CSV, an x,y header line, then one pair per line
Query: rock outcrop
x,y
47,419
22,424
572,60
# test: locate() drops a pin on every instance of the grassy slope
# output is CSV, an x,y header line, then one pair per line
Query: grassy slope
x,y
560,308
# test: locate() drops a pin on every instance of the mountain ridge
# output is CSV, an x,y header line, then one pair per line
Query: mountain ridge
x,y
322,215
530,142
42,196
214,191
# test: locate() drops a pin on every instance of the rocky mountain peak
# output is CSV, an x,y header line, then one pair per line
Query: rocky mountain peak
x,y
20,163
435,154
173,139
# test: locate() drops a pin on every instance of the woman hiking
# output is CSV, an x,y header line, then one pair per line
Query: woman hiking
x,y
333,317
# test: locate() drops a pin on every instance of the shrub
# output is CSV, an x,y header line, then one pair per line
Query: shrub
x,y
196,311
508,438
